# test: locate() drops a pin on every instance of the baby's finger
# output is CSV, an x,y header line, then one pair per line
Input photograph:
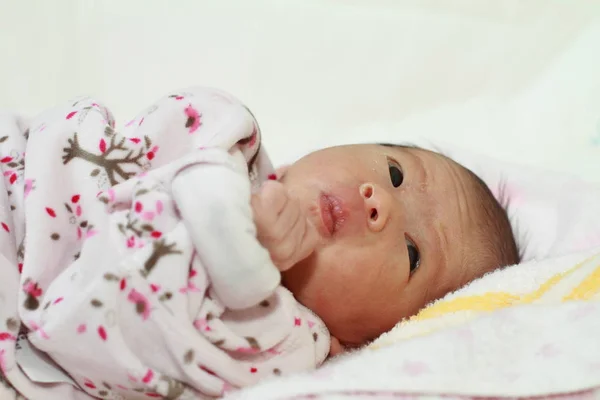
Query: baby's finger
x,y
269,202
308,242
298,245
278,230
273,196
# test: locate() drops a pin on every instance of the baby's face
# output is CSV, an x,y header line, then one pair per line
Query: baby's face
x,y
395,226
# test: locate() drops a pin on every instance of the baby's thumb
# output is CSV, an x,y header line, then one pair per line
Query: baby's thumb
x,y
309,241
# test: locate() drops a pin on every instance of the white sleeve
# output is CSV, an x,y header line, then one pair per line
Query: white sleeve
x,y
214,203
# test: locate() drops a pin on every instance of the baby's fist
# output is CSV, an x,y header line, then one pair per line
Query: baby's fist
x,y
282,227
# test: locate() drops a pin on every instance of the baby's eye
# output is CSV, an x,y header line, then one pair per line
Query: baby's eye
x,y
413,256
396,175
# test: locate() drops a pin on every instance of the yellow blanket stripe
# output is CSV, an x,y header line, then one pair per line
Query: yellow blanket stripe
x,y
587,289
492,301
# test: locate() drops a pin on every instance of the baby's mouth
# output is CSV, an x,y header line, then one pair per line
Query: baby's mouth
x,y
333,214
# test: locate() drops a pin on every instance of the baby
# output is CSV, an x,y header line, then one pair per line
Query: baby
x,y
398,228
169,260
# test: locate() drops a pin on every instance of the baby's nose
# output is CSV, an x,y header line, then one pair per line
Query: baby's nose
x,y
377,205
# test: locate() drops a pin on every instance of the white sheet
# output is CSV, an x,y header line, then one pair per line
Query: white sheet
x,y
471,343
516,80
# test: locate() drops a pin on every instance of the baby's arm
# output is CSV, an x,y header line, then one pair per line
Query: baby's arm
x,y
282,226
214,202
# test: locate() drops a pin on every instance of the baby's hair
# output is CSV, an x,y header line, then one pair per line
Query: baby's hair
x,y
495,227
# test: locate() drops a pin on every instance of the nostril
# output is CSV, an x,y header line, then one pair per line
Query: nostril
x,y
367,191
374,214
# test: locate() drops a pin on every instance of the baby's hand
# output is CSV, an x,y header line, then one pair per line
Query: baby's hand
x,y
282,227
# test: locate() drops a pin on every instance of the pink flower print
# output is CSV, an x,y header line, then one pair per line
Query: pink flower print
x,y
205,369
148,377
159,207
91,233
81,328
138,207
156,234
6,336
130,123
297,321
201,324
71,114
28,186
274,351
193,119
58,300
155,288
2,362
142,305
102,145
131,242
75,198
311,324
6,159
5,227
102,333
32,288
51,212
89,384
148,216
38,329
247,350
152,153
191,287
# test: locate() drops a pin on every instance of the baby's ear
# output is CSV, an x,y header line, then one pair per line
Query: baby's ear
x,y
335,347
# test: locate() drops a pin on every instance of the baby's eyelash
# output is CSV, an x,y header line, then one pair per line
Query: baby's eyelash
x,y
414,256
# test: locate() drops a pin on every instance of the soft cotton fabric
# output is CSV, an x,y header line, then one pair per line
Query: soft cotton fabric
x,y
526,331
130,258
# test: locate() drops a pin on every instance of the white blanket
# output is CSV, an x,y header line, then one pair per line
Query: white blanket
x,y
530,330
